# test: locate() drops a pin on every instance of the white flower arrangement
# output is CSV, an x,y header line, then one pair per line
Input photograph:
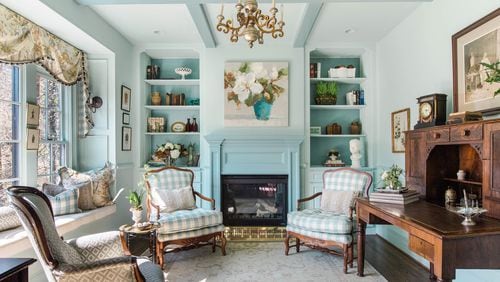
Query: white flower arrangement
x,y
391,177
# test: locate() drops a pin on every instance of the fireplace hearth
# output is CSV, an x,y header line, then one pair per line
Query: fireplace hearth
x,y
254,200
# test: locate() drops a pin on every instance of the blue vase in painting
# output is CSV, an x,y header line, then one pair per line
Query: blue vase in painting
x,y
262,109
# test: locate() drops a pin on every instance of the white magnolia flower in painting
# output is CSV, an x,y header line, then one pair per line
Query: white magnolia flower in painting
x,y
175,154
246,84
259,70
274,73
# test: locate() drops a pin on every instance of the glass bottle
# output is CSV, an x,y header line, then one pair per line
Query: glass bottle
x,y
194,126
188,125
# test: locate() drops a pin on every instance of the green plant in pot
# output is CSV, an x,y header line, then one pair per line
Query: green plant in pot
x,y
326,93
493,74
135,200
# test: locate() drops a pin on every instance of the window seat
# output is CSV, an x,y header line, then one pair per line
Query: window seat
x,y
15,240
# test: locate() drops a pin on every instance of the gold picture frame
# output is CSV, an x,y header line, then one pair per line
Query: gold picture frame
x,y
400,122
32,139
33,115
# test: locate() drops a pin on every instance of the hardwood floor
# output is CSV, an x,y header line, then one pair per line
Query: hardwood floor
x,y
392,263
388,260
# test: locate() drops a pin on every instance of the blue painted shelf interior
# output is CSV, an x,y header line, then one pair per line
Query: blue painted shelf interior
x,y
320,147
191,92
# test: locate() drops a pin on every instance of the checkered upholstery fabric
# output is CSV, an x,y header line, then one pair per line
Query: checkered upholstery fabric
x,y
169,179
317,220
345,180
340,238
65,202
190,234
187,220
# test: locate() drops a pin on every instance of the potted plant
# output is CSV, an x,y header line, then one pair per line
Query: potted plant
x,y
326,93
169,153
135,200
493,74
391,177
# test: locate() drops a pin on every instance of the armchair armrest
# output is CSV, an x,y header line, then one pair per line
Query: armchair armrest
x,y
121,268
211,200
99,246
299,201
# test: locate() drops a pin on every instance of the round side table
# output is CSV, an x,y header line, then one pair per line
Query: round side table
x,y
128,232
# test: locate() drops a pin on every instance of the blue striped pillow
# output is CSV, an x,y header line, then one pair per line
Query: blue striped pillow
x,y
65,202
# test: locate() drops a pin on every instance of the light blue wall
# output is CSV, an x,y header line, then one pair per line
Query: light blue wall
x,y
414,59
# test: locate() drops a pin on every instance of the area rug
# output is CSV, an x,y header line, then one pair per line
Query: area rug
x,y
252,261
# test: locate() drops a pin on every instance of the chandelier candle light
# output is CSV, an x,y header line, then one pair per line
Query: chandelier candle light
x,y
252,23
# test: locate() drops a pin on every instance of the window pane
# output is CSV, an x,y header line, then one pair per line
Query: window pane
x,y
58,153
43,159
42,125
8,158
9,114
41,84
54,125
6,83
53,94
3,191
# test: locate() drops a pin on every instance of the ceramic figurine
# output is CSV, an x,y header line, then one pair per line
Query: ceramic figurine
x,y
355,148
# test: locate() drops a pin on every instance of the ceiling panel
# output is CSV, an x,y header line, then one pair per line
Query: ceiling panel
x,y
161,23
369,22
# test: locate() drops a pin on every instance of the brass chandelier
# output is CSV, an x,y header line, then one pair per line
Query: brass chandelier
x,y
252,24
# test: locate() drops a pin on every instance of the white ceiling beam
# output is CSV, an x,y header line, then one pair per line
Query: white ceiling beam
x,y
125,2
202,24
306,24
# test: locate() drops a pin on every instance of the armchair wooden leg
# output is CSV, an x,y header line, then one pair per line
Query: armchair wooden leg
x,y
287,244
297,246
351,255
346,255
160,255
214,243
223,243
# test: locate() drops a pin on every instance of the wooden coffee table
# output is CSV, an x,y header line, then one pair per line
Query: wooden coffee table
x,y
128,232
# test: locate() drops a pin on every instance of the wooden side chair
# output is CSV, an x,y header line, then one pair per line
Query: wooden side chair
x,y
332,225
182,227
97,257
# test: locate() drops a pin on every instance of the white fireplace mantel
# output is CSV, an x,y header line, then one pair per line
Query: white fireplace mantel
x,y
259,155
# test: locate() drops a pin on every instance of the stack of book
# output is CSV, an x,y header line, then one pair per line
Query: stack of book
x,y
403,198
463,117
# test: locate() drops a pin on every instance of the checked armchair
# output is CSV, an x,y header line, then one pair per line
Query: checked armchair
x,y
97,257
324,228
184,228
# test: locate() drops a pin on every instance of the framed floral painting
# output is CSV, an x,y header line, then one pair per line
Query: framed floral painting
x,y
400,122
256,94
476,55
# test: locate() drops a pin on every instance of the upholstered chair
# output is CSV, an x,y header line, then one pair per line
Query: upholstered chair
x,y
97,257
171,202
330,227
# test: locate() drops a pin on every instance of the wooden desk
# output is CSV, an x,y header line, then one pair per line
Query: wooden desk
x,y
435,234
15,269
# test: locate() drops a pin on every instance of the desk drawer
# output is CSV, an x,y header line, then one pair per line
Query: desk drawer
x,y
438,135
421,247
467,132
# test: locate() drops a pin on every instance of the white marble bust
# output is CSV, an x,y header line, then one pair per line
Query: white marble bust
x,y
355,148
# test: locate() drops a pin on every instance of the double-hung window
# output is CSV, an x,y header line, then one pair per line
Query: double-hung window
x,y
52,152
9,128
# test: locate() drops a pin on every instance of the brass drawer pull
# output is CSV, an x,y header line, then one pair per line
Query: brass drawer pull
x,y
437,135
466,132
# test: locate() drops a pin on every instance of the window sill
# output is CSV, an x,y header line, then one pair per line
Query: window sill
x,y
15,240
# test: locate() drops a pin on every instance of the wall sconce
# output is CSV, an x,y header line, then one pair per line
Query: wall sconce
x,y
95,103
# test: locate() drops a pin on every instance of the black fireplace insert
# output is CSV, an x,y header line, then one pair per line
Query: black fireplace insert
x,y
254,200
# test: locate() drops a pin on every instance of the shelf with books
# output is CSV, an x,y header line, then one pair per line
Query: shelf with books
x,y
172,108
173,82
346,80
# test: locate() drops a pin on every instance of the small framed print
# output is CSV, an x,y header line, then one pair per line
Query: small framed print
x,y
126,118
126,96
33,115
400,122
315,130
178,127
126,138
33,139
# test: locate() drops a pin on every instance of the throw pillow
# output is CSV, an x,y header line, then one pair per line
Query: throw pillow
x,y
174,199
69,176
102,180
8,218
52,189
337,201
65,202
85,200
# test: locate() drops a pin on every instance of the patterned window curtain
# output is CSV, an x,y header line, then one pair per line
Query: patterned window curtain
x,y
23,42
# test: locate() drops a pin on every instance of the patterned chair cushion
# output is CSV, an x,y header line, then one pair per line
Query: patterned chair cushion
x,y
317,220
190,234
340,238
345,180
65,202
187,220
8,218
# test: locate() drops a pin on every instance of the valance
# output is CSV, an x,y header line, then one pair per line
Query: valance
x,y
22,42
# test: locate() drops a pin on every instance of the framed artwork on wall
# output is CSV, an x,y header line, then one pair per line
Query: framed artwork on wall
x,y
474,48
126,138
256,94
126,97
33,139
33,115
400,122
125,118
